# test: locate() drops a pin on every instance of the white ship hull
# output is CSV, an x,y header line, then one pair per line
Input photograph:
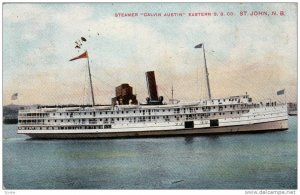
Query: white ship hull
x,y
260,127
292,113
227,116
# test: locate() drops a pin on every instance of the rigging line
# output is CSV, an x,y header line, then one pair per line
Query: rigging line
x,y
217,57
103,91
162,81
79,89
221,63
85,92
96,90
235,81
109,75
102,81
201,84
198,90
163,90
231,71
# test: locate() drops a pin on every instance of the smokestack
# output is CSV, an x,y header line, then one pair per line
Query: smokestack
x,y
151,84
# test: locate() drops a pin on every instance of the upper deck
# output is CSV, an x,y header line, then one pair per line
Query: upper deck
x,y
234,107
229,101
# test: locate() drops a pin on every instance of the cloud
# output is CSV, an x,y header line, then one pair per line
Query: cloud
x,y
248,56
128,47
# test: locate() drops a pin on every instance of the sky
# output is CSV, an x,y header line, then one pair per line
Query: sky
x,y
253,54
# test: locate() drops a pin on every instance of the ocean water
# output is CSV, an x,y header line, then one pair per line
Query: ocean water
x,y
230,161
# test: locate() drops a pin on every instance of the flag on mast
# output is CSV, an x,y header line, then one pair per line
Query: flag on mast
x,y
84,55
199,46
14,96
280,92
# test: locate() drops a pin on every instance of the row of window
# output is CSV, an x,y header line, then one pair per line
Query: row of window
x,y
127,118
34,114
230,99
66,127
207,108
130,119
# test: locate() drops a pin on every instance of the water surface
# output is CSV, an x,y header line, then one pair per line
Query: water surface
x,y
231,161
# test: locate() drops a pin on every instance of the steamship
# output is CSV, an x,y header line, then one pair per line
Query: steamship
x,y
126,117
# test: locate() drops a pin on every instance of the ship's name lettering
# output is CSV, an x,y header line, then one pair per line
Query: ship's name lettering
x,y
126,14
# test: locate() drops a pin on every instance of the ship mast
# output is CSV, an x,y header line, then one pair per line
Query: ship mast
x,y
172,95
201,45
91,83
85,55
